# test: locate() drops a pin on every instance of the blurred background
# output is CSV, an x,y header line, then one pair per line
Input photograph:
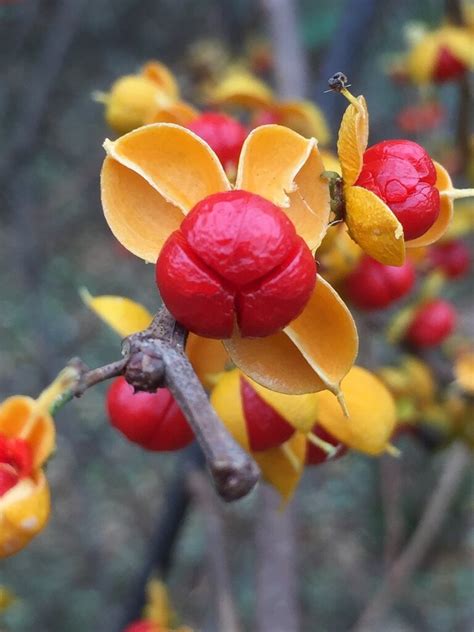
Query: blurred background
x,y
82,573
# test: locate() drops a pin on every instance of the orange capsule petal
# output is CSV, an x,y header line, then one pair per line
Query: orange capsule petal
x,y
162,77
326,335
179,112
283,167
242,89
24,511
300,411
21,417
352,140
207,356
371,412
443,184
374,227
173,160
139,217
121,314
313,353
278,469
305,118
227,402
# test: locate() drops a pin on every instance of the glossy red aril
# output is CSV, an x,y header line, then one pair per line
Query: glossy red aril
x,y
372,285
235,260
224,134
266,428
447,66
432,324
401,173
315,455
153,420
452,257
16,462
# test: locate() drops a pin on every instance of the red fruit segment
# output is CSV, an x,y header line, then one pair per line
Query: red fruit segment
x,y
401,173
266,428
240,235
432,324
267,306
192,292
153,420
447,67
224,134
236,258
16,452
173,432
316,456
372,285
452,257
8,478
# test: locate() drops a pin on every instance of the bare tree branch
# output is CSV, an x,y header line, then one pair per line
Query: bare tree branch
x,y
277,607
398,578
216,549
291,68
155,357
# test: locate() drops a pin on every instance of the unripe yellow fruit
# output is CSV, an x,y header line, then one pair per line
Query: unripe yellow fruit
x,y
130,103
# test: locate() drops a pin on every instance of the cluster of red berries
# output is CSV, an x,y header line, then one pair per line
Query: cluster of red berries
x,y
154,421
236,260
16,462
402,174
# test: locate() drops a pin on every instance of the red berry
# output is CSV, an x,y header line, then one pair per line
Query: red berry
x,y
372,285
224,134
401,173
421,118
153,420
432,324
143,625
16,452
452,257
267,117
236,258
447,66
265,426
314,454
8,478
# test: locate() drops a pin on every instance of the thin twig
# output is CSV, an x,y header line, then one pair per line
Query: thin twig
x,y
276,588
172,515
391,490
291,67
398,578
216,548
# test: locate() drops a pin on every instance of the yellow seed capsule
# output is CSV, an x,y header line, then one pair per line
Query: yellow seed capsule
x,y
24,510
263,422
371,408
130,103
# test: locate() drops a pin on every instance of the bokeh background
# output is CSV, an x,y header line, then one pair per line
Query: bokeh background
x,y
82,572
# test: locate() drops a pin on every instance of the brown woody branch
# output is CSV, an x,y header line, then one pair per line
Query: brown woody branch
x,y
436,510
155,357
